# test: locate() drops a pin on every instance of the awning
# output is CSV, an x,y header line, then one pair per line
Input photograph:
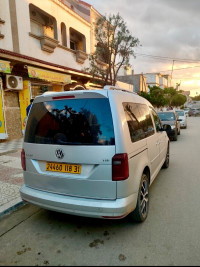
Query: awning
x,y
50,76
5,66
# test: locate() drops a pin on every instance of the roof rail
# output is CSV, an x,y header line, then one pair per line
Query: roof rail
x,y
111,87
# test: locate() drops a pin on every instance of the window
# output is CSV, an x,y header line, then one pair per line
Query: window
x,y
77,40
73,45
71,122
139,121
63,34
167,116
146,121
156,120
42,23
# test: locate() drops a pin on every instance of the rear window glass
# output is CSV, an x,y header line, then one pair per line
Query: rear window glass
x,y
166,116
180,113
71,122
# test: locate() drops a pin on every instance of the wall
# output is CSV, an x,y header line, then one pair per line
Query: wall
x,y
6,42
31,46
137,80
12,114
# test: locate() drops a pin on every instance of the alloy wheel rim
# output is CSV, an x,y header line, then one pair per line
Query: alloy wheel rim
x,y
144,198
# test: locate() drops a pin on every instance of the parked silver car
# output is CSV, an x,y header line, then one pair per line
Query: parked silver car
x,y
171,117
183,118
93,153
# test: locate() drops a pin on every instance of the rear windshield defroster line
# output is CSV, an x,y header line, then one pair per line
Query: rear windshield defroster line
x,y
71,122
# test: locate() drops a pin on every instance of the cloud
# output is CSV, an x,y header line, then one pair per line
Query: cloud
x,y
167,28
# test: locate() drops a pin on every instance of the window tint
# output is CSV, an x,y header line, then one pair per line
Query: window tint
x,y
71,122
180,113
139,121
167,116
156,120
146,120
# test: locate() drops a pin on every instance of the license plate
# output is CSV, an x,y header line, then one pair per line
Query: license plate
x,y
63,167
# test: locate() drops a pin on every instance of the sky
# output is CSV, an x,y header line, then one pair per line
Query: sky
x,y
169,35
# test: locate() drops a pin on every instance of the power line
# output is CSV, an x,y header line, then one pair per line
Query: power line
x,y
182,68
168,58
188,78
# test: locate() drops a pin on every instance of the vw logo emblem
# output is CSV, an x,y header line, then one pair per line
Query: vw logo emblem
x,y
59,153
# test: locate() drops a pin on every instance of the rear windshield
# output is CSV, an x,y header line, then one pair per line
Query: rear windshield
x,y
166,116
71,122
180,113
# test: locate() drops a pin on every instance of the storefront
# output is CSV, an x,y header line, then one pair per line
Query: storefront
x,y
45,80
14,101
40,82
35,77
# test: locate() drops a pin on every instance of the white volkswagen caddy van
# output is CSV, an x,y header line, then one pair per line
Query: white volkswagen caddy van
x,y
93,153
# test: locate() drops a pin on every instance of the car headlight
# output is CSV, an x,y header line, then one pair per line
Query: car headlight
x,y
173,127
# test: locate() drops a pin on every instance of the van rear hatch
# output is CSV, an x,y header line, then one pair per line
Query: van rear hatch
x,y
69,144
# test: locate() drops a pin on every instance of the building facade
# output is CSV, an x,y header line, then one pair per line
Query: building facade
x,y
158,79
44,46
138,81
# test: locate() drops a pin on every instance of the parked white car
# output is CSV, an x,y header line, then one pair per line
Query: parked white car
x,y
93,153
186,111
183,117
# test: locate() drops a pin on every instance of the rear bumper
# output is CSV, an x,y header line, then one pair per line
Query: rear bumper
x,y
183,124
118,208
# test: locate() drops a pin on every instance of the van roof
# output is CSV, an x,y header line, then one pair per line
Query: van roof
x,y
105,92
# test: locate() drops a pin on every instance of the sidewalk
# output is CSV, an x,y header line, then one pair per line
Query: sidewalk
x,y
10,146
11,176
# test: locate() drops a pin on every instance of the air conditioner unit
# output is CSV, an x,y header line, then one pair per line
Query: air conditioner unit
x,y
14,82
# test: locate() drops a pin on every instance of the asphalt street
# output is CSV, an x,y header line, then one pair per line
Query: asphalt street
x,y
169,236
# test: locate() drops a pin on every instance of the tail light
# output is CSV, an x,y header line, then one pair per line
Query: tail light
x,y
23,160
120,167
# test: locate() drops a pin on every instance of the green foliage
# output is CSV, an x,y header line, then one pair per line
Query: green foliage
x,y
157,97
196,98
178,100
114,47
167,97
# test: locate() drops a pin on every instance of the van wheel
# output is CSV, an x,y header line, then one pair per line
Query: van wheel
x,y
141,211
166,163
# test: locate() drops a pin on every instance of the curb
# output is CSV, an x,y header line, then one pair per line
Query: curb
x,y
12,208
8,152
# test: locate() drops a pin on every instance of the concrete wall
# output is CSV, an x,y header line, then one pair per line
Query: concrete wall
x,y
30,46
12,114
137,80
6,42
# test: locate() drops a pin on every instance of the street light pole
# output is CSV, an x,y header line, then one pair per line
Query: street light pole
x,y
172,67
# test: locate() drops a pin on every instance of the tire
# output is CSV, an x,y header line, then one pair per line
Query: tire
x,y
166,163
175,137
142,208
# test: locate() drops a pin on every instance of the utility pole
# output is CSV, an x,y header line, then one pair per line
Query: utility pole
x,y
172,67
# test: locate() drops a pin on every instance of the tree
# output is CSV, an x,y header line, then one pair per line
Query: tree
x,y
196,98
155,96
114,47
167,97
178,100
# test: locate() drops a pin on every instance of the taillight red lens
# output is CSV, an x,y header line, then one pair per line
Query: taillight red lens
x,y
120,167
23,160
